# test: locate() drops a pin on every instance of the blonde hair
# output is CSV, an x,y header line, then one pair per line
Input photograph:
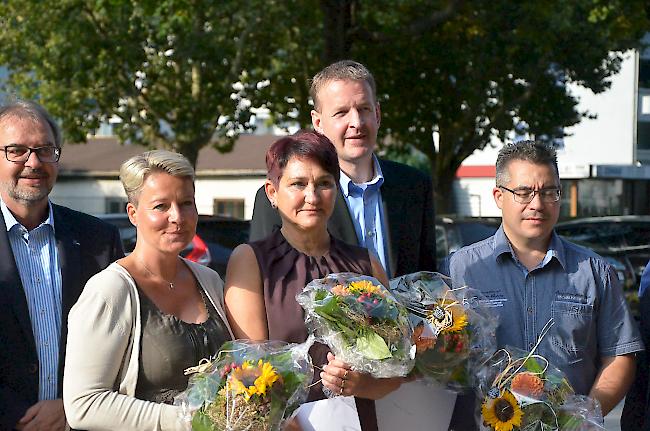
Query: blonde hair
x,y
135,171
344,70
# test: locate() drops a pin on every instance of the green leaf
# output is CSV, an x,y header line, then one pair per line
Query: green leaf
x,y
372,346
533,366
201,422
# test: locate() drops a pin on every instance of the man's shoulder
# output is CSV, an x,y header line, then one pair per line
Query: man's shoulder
x,y
577,253
391,167
478,250
68,216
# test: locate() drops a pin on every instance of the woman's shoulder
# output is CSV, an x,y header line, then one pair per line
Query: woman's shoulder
x,y
113,283
204,273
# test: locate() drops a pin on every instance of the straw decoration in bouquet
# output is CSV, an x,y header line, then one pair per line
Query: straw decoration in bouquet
x,y
250,386
454,332
522,391
361,322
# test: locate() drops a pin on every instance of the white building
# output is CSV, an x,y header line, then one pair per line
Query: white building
x,y
604,162
225,184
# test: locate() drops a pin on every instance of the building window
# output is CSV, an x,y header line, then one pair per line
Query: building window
x,y
115,205
229,207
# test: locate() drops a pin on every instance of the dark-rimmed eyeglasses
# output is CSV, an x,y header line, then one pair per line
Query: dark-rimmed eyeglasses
x,y
526,196
21,153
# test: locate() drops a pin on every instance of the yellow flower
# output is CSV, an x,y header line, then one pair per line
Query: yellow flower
x,y
249,380
448,318
363,286
502,413
267,377
459,319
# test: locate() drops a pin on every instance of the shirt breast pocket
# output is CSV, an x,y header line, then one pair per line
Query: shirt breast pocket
x,y
572,328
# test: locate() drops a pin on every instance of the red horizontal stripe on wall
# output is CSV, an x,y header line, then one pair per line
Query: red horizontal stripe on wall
x,y
487,171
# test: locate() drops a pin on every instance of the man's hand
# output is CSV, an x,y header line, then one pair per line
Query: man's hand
x,y
614,379
43,416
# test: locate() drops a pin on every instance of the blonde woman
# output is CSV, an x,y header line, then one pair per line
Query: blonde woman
x,y
139,323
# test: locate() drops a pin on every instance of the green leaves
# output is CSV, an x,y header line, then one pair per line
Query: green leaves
x,y
372,346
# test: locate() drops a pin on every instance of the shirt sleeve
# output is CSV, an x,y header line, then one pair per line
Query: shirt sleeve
x,y
618,333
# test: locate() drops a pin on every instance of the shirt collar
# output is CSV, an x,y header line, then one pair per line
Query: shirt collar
x,y
10,220
347,184
555,250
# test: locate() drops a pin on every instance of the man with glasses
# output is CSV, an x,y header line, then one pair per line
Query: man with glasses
x,y
47,253
530,276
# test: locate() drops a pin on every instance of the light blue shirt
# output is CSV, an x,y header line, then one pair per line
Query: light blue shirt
x,y
38,266
572,285
366,209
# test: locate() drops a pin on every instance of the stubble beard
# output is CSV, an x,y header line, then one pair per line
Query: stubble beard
x,y
25,196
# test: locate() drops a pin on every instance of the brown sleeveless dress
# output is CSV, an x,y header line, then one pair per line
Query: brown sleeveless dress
x,y
285,271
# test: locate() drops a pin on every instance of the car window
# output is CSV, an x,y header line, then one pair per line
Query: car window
x,y
593,235
474,232
637,235
228,233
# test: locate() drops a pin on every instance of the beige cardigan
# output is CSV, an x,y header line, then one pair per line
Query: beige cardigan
x,y
101,365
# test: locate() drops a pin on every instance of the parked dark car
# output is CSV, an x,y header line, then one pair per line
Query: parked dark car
x,y
212,245
452,234
622,240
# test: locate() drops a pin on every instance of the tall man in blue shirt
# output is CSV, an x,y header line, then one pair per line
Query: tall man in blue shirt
x,y
47,253
384,206
530,275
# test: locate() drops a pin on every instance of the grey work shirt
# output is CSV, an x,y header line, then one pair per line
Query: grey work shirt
x,y
572,285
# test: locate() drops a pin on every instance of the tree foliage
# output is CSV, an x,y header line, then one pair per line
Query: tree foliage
x,y
171,71
185,73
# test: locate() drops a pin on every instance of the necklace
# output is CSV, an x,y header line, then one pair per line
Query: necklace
x,y
171,283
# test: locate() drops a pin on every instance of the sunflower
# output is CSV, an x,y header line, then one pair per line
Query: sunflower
x,y
250,380
363,286
502,413
455,322
459,319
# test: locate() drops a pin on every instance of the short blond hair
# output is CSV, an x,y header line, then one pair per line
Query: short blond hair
x,y
135,171
344,70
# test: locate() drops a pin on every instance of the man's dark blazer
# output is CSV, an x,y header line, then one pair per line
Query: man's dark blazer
x,y
85,246
408,212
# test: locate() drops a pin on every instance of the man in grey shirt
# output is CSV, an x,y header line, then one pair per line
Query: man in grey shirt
x,y
530,275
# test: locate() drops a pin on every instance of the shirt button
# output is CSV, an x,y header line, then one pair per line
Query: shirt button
x,y
42,312
530,310
531,345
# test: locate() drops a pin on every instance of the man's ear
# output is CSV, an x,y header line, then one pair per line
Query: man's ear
x,y
271,192
378,113
315,120
131,212
497,193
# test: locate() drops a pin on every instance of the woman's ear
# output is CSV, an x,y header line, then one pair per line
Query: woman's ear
x,y
131,212
271,193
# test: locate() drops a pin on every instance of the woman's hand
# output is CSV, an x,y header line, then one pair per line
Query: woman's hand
x,y
338,377
291,425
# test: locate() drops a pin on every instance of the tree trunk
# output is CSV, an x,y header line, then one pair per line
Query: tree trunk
x,y
444,191
337,19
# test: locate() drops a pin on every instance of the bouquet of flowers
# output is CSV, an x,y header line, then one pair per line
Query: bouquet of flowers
x,y
249,387
522,391
361,322
454,332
